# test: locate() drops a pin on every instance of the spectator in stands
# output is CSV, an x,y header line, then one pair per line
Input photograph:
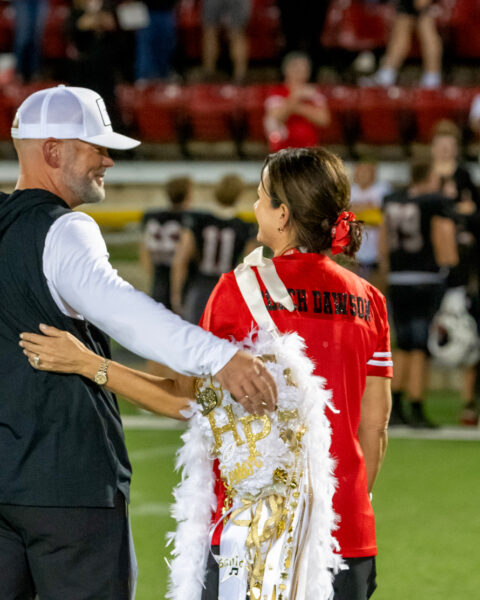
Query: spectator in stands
x,y
295,109
234,16
417,243
30,16
215,244
161,234
156,42
475,115
302,23
411,15
367,194
94,49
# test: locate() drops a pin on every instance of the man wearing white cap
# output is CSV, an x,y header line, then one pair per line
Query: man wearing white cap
x,y
65,474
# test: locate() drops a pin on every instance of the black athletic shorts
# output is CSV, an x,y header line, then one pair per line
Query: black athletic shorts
x,y
407,7
413,308
358,582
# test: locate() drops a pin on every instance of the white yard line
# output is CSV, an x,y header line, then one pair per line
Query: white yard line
x,y
460,434
451,434
151,422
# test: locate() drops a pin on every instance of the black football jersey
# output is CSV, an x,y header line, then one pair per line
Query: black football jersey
x,y
408,220
161,234
220,242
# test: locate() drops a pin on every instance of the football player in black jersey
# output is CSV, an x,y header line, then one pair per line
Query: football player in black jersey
x,y
161,234
417,245
214,243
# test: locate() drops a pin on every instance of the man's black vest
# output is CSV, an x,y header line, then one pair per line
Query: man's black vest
x,y
61,437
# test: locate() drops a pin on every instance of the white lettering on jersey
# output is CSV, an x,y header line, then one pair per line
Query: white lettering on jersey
x,y
161,240
404,228
218,247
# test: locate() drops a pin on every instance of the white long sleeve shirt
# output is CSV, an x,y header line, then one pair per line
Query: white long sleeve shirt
x,y
84,285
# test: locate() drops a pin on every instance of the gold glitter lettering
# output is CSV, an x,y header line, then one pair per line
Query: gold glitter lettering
x,y
219,431
252,438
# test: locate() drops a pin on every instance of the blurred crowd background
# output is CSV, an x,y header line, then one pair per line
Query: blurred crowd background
x,y
217,80
174,71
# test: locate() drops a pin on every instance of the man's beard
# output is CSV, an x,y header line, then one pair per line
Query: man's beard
x,y
86,190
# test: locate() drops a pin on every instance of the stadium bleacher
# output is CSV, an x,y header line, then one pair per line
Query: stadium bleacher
x,y
173,113
354,25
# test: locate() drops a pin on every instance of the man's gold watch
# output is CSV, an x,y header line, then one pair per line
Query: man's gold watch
x,y
101,375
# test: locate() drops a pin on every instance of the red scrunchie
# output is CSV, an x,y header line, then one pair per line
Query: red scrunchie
x,y
341,232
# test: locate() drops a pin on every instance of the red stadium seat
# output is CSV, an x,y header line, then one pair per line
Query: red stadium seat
x,y
253,105
6,116
356,26
431,106
467,40
264,30
343,104
126,97
54,37
11,96
213,111
159,111
6,27
189,29
384,115
461,11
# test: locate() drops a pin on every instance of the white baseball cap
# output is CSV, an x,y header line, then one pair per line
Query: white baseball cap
x,y
67,113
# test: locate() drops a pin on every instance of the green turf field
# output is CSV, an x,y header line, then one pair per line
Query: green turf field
x,y
426,502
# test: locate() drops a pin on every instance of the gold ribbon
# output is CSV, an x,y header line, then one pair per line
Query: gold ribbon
x,y
256,537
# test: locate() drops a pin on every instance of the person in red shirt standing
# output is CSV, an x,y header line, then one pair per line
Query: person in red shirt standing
x,y
301,210
295,110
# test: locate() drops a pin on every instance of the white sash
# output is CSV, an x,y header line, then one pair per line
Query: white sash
x,y
248,284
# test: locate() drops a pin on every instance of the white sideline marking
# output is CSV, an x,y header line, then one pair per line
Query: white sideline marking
x,y
450,434
152,422
159,509
460,434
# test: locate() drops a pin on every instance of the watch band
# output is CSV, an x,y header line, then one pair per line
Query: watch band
x,y
101,375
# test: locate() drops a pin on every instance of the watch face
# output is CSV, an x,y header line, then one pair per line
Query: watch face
x,y
100,378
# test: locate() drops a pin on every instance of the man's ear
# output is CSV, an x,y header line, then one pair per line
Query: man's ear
x,y
52,151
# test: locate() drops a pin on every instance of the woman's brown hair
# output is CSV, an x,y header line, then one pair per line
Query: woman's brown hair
x,y
313,184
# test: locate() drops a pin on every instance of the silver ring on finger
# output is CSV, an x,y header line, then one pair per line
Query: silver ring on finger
x,y
247,397
36,361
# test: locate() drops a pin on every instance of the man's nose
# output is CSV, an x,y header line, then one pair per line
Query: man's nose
x,y
107,162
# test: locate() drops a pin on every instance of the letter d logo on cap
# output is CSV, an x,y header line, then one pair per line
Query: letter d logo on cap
x,y
103,112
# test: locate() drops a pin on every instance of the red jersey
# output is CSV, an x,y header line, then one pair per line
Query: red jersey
x,y
343,320
299,131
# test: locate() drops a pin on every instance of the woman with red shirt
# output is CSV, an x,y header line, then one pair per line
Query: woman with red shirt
x,y
302,197
301,210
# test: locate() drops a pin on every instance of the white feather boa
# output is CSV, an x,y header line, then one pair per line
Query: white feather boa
x,y
195,499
